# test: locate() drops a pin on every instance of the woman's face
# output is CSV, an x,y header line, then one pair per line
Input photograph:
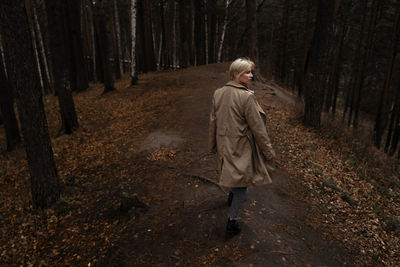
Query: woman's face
x,y
245,78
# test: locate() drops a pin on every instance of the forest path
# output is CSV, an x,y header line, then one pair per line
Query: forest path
x,y
186,226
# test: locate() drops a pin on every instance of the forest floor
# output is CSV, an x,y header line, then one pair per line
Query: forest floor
x,y
138,187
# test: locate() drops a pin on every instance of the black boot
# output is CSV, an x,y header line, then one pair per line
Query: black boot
x,y
232,228
230,197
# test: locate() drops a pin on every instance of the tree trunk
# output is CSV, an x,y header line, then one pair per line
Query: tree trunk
x,y
97,73
7,110
174,38
335,66
79,75
356,66
316,76
34,41
199,32
113,40
184,59
396,134
212,18
193,50
380,121
206,30
42,48
366,58
221,43
393,116
317,68
118,37
3,60
87,44
133,43
101,33
301,77
251,26
45,183
161,51
61,54
282,57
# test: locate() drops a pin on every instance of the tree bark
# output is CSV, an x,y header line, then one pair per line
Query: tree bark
x,y
79,75
224,26
87,44
282,57
316,76
101,33
174,37
396,132
34,41
193,50
212,18
118,36
42,47
45,183
184,59
162,47
96,68
206,31
133,42
61,54
199,39
252,33
331,97
366,58
380,121
301,77
393,116
144,38
7,110
2,54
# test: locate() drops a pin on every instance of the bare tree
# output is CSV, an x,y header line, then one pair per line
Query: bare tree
x,y
133,42
221,43
118,36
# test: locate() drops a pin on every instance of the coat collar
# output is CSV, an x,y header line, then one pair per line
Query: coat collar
x,y
238,85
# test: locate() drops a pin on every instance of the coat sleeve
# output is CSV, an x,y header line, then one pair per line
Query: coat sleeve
x,y
258,129
212,141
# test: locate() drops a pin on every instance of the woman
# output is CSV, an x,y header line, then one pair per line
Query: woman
x,y
238,134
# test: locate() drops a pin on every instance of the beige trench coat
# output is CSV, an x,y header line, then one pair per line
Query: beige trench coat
x,y
239,136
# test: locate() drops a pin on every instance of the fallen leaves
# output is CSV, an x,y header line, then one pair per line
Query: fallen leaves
x,y
343,184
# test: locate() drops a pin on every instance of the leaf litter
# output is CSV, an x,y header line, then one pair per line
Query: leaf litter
x,y
352,188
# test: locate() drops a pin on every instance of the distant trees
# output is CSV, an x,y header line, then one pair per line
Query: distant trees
x,y
341,56
316,71
357,82
102,43
61,54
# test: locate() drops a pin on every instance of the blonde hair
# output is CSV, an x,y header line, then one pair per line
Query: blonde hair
x,y
239,66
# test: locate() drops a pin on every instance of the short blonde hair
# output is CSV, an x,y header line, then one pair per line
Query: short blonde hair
x,y
239,66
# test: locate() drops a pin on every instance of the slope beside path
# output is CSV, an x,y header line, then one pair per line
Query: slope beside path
x,y
139,187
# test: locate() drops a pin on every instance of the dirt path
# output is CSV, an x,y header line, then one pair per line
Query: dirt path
x,y
185,226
